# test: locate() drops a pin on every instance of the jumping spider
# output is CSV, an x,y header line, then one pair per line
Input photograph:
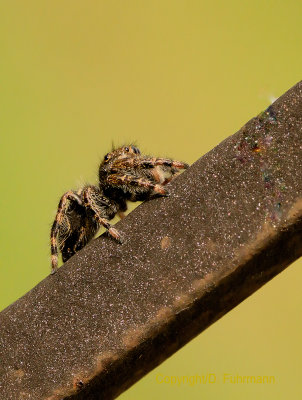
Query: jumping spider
x,y
124,174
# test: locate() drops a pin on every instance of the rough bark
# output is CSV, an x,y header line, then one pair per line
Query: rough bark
x,y
113,312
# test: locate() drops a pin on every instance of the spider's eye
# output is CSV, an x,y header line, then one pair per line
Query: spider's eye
x,y
136,150
126,148
106,158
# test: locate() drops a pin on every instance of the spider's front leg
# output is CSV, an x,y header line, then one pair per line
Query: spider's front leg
x,y
163,170
151,162
57,225
102,212
162,162
136,185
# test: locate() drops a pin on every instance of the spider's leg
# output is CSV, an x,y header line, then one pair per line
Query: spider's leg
x,y
82,239
163,162
91,201
173,172
61,212
82,235
119,180
148,162
161,167
121,214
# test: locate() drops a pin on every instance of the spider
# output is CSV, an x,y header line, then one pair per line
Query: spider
x,y
124,174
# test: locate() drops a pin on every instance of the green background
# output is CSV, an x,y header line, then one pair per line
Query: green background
x,y
176,77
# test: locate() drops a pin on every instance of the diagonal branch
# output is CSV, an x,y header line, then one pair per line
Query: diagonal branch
x,y
113,312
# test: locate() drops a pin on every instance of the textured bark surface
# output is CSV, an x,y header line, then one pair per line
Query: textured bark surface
x,y
113,312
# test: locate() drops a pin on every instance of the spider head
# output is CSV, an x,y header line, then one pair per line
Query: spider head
x,y
113,158
132,149
125,151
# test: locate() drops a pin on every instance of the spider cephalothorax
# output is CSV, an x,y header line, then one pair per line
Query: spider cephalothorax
x,y
124,174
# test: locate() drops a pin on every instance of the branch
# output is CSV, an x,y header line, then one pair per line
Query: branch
x,y
114,312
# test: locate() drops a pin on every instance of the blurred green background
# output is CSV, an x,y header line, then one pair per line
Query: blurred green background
x,y
176,77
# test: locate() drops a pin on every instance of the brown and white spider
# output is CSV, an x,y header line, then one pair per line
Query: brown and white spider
x,y
124,174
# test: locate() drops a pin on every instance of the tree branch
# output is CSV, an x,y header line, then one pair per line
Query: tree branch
x,y
113,312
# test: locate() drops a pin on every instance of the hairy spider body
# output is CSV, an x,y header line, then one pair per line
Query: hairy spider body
x,y
124,174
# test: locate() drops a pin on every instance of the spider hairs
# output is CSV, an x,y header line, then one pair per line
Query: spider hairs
x,y
124,174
